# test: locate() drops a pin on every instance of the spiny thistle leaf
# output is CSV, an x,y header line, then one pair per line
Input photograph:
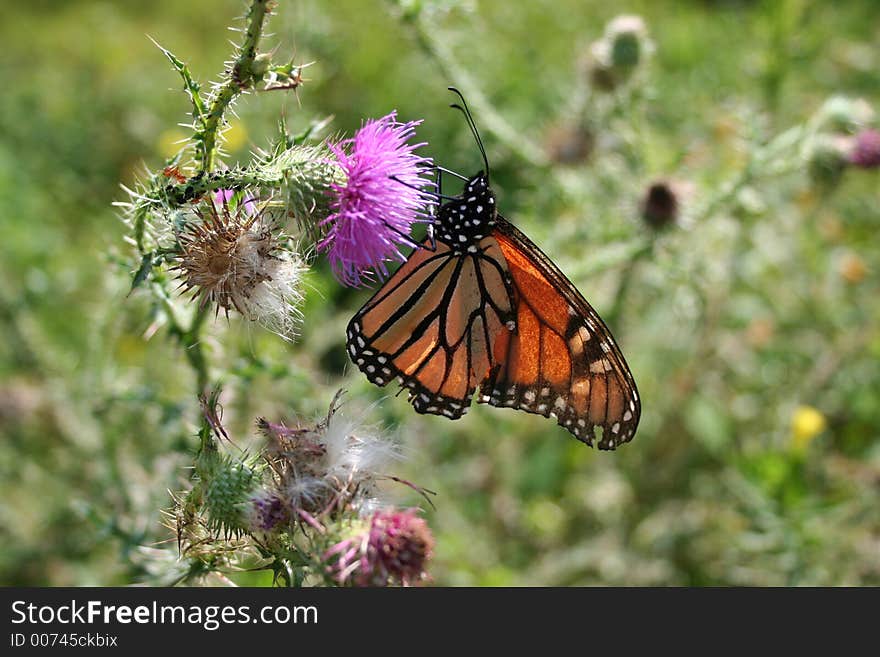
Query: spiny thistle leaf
x,y
142,272
190,86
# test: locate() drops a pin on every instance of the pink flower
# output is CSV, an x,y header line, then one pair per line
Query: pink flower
x,y
866,150
385,192
223,196
395,549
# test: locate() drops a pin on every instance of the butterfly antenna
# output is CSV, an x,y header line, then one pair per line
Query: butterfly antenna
x,y
473,126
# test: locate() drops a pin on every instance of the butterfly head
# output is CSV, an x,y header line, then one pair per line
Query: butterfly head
x,y
469,217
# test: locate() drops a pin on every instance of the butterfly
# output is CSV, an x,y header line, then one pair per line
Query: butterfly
x,y
478,304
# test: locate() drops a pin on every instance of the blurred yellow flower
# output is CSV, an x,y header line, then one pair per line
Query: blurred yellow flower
x,y
234,136
806,423
170,142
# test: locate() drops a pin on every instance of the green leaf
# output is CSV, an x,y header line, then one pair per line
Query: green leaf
x,y
143,271
190,86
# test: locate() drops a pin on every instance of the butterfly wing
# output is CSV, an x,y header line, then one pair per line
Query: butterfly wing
x,y
434,326
562,360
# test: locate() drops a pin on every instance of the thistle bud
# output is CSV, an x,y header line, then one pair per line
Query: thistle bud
x,y
843,115
265,511
394,550
629,42
826,159
260,65
229,487
614,59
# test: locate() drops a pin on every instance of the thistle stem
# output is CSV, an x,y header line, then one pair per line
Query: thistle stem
x,y
188,337
623,283
238,78
515,140
192,345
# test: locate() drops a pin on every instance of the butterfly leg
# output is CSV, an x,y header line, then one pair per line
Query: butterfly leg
x,y
438,183
424,191
451,172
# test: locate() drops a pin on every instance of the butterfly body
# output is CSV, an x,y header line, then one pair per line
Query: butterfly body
x,y
467,218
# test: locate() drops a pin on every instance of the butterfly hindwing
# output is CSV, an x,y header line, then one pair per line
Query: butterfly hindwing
x,y
561,361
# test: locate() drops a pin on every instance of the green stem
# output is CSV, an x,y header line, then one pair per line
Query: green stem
x,y
187,337
772,160
625,280
200,185
519,143
239,77
192,345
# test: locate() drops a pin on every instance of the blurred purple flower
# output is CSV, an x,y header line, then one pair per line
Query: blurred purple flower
x,y
866,149
266,511
395,549
385,192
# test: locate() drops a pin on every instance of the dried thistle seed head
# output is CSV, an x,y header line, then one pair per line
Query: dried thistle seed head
x,y
660,205
221,254
569,143
235,258
328,467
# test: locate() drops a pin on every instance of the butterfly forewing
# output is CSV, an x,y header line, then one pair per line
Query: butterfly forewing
x,y
433,326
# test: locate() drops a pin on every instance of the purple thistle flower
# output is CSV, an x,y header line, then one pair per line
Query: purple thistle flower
x,y
866,150
395,549
373,213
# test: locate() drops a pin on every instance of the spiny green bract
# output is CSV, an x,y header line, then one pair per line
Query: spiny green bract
x,y
226,492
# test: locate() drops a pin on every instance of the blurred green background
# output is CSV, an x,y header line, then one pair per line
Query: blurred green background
x,y
752,329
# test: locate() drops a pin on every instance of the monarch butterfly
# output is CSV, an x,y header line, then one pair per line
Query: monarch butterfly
x,y
478,304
